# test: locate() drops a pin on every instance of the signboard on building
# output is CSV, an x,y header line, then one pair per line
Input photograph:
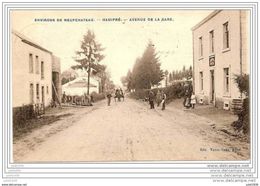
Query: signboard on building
x,y
212,61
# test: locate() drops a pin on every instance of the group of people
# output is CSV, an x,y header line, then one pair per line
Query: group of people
x,y
85,100
160,99
189,97
119,94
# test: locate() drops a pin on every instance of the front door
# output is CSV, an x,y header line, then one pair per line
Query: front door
x,y
212,86
43,98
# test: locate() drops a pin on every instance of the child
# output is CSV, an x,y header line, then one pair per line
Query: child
x,y
193,100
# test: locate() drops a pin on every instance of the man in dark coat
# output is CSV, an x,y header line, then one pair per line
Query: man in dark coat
x,y
187,94
151,99
109,95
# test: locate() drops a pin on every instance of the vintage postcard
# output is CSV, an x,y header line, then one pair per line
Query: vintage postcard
x,y
97,85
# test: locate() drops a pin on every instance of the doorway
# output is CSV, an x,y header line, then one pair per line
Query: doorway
x,y
43,96
212,86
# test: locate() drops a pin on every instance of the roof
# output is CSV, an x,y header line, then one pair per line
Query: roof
x,y
210,16
80,82
29,41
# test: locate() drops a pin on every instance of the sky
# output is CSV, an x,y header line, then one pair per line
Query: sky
x,y
123,40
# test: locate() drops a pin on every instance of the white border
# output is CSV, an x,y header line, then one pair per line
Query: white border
x,y
167,169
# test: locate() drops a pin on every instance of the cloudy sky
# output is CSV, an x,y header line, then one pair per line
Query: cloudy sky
x,y
123,40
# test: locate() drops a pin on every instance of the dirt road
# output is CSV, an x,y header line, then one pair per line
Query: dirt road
x,y
129,131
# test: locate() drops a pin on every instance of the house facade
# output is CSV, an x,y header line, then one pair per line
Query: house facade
x,y
31,72
220,51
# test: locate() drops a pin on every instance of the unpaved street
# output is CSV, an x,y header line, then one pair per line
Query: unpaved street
x,y
129,131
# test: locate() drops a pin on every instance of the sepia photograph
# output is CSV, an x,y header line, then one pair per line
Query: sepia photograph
x,y
130,85
164,92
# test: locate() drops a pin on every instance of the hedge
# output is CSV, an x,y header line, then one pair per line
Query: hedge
x,y
172,92
22,114
97,97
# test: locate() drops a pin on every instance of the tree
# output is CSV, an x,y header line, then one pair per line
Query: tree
x,y
123,81
89,54
166,77
146,71
103,74
110,85
173,75
242,82
127,80
190,72
68,75
243,122
170,77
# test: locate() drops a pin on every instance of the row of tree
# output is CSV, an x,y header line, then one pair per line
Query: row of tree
x,y
185,73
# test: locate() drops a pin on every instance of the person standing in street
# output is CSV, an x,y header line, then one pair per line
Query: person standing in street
x,y
163,100
122,94
187,94
116,95
186,99
193,100
151,99
109,95
158,98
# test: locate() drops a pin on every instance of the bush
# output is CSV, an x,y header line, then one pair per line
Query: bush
x,y
22,114
140,94
242,82
97,97
172,92
243,122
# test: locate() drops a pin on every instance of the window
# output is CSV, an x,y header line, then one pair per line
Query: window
x,y
225,36
47,89
201,81
37,65
42,70
226,80
30,63
37,91
200,47
211,41
31,93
